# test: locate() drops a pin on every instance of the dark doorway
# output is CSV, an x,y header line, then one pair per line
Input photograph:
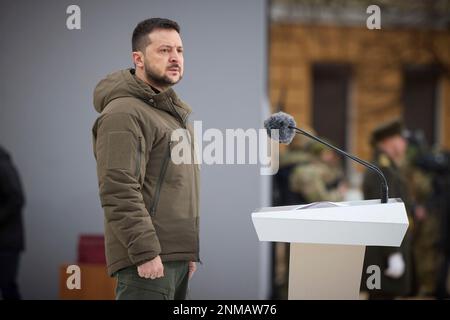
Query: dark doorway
x,y
419,99
330,101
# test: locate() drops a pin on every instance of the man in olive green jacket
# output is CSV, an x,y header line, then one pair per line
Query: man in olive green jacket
x,y
150,203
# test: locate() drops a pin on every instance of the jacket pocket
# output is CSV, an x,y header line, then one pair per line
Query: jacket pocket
x,y
160,181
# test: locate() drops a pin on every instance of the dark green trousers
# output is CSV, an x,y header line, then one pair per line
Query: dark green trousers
x,y
173,286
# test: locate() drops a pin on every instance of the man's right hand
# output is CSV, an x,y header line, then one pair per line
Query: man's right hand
x,y
151,269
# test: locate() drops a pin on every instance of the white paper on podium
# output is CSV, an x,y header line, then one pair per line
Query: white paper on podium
x,y
368,223
321,204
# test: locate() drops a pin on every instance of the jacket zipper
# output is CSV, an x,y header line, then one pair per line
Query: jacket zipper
x,y
183,122
138,161
160,181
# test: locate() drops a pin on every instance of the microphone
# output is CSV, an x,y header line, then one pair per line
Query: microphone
x,y
286,126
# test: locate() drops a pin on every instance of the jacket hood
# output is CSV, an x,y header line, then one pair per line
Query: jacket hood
x,y
124,83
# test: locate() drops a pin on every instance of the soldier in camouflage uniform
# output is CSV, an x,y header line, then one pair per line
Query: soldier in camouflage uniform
x,y
322,179
395,263
426,226
296,155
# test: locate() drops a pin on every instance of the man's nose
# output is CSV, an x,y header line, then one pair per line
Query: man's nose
x,y
174,57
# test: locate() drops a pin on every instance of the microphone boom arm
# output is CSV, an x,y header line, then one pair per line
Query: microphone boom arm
x,y
384,185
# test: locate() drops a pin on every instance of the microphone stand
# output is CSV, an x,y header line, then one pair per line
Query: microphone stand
x,y
384,185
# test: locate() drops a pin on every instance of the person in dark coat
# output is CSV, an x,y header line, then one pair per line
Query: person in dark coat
x,y
395,263
12,241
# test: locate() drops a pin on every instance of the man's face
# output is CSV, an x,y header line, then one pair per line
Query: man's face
x,y
329,157
163,57
394,147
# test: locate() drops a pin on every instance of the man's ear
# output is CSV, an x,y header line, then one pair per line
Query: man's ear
x,y
138,59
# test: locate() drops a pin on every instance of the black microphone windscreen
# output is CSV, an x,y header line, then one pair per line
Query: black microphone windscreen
x,y
284,123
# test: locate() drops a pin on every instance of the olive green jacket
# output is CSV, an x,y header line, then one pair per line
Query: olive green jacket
x,y
150,203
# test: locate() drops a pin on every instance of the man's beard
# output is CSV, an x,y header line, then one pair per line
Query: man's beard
x,y
159,80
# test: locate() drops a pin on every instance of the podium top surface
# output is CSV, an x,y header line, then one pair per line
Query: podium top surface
x,y
358,211
366,222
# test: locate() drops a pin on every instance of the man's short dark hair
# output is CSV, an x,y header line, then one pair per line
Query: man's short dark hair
x,y
140,38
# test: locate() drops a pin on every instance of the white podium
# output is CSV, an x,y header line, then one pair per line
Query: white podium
x,y
328,242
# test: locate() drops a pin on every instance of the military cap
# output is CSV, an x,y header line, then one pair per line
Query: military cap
x,y
386,130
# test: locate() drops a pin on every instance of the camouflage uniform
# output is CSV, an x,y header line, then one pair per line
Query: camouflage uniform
x,y
317,181
297,155
426,231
